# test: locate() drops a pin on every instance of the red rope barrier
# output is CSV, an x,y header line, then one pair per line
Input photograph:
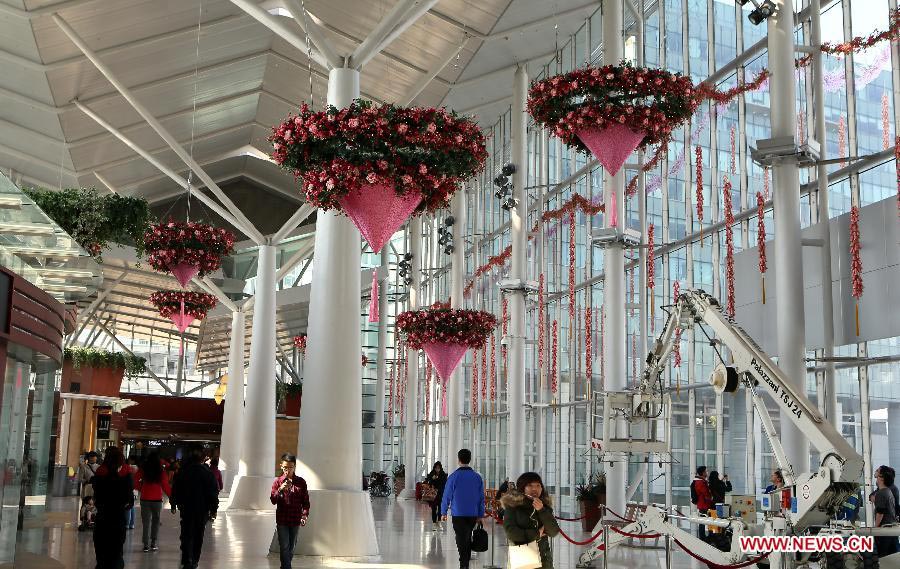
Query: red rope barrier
x,y
624,519
570,519
588,541
635,535
714,565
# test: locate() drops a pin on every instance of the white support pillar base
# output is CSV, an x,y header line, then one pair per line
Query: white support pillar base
x,y
232,421
407,494
250,493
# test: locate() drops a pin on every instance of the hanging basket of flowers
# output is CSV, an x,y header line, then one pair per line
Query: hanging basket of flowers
x,y
445,333
182,307
300,343
379,164
187,249
613,110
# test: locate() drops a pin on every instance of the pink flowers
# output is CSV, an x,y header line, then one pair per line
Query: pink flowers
x,y
170,302
192,243
439,323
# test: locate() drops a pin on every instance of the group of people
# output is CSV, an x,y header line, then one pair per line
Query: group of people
x,y
528,521
112,486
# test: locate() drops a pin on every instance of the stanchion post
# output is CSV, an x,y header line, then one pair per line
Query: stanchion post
x,y
668,552
605,544
493,539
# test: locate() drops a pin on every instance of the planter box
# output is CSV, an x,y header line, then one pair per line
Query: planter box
x,y
105,381
292,405
592,513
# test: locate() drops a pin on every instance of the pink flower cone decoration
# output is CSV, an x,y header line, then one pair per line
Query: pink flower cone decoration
x,y
612,145
187,249
182,307
378,212
373,301
445,333
184,272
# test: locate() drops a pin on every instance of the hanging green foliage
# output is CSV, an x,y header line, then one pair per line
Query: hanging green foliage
x,y
283,390
94,219
92,357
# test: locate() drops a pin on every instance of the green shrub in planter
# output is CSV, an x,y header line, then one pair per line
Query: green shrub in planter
x,y
91,357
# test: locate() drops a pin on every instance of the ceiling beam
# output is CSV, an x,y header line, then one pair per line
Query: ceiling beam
x,y
389,29
293,223
105,182
313,31
245,224
422,83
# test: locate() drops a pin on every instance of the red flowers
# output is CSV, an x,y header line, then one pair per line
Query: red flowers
x,y
191,243
169,303
300,343
425,150
439,323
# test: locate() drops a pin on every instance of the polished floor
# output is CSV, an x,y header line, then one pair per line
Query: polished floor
x,y
238,540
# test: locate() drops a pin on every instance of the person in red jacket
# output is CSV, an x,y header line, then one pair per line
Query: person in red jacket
x,y
291,498
702,497
152,483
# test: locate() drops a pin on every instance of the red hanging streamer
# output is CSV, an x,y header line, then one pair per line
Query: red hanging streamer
x,y
474,390
801,131
729,244
856,278
493,370
428,370
588,344
571,271
676,290
485,374
885,123
553,369
761,241
634,359
842,141
699,200
373,300
542,324
651,269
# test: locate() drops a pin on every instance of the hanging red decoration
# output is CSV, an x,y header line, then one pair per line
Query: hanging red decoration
x,y
588,344
856,268
182,307
572,269
187,249
443,383
761,241
634,359
485,374
861,43
613,211
300,343
373,299
542,324
842,141
428,369
493,370
729,245
676,351
801,131
555,350
699,178
885,123
733,151
379,164
651,269
474,390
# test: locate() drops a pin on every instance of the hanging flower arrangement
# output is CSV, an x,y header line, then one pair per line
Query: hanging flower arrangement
x,y
182,307
300,343
613,110
364,360
445,333
187,249
379,164
856,279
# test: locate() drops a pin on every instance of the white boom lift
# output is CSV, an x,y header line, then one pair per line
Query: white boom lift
x,y
816,497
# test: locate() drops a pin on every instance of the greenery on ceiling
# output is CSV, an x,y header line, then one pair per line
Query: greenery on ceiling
x,y
94,219
92,357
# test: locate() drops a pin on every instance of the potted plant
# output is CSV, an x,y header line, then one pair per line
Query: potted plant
x,y
399,472
98,372
287,398
591,494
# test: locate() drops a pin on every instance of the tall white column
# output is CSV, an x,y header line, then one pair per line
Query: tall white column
x,y
384,282
410,440
251,488
788,248
614,269
330,442
515,444
457,387
230,449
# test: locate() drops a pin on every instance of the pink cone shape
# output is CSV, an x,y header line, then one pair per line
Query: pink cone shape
x,y
184,272
445,357
373,301
611,145
378,211
444,398
182,321
613,211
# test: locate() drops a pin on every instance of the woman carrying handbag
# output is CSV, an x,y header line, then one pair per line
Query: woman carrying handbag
x,y
434,492
529,524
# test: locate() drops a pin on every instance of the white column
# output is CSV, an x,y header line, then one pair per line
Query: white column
x,y
515,447
384,282
457,387
410,440
251,488
614,269
330,442
230,449
788,248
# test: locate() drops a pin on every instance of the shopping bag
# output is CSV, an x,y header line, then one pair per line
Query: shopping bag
x,y
479,538
526,556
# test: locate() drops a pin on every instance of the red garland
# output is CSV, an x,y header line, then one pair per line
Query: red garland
x,y
474,390
856,268
170,302
588,344
300,343
699,177
427,389
504,319
634,359
485,374
572,268
676,291
861,43
542,324
439,323
493,370
188,242
842,141
885,123
733,148
651,268
555,348
729,244
761,241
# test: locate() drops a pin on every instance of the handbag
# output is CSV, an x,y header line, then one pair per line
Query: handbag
x,y
429,493
479,538
526,556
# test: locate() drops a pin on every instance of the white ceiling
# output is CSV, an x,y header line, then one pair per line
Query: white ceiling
x,y
247,80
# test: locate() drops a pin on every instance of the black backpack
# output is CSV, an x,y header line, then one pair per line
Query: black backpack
x,y
694,497
479,538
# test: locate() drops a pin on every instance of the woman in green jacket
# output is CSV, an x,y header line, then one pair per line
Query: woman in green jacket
x,y
528,516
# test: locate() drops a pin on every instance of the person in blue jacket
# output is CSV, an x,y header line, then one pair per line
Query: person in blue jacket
x,y
464,497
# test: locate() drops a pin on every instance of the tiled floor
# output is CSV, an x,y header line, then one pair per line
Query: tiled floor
x,y
238,540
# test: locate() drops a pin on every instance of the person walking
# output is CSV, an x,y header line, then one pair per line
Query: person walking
x,y
196,495
214,467
885,510
131,465
701,497
291,499
718,487
437,479
464,498
151,484
528,516
112,487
